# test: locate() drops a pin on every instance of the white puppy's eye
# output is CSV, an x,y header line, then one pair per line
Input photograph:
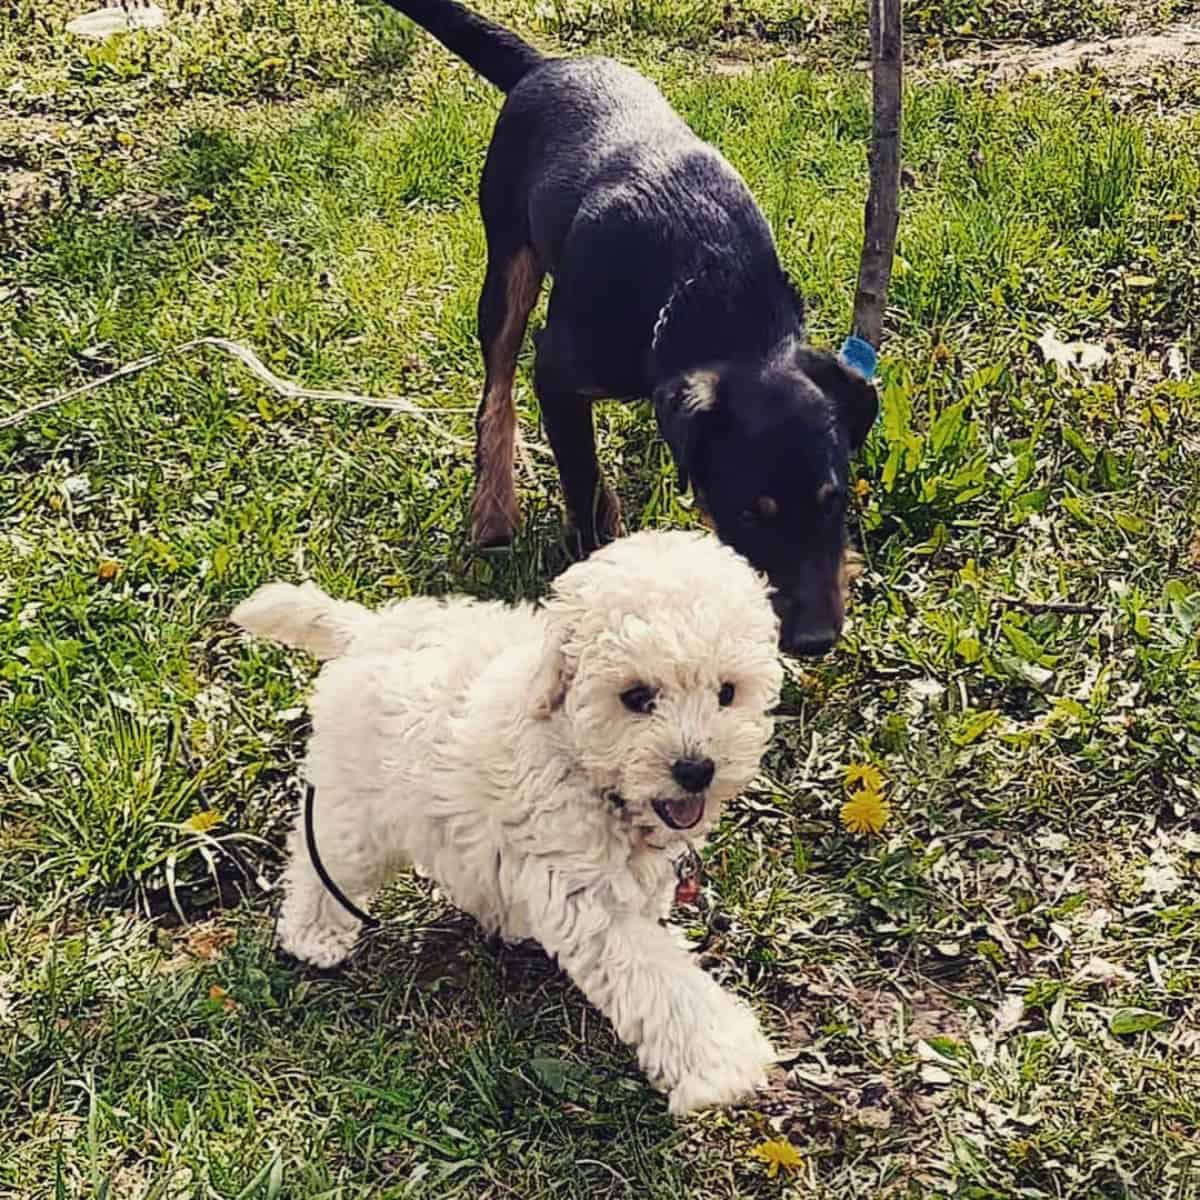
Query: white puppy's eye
x,y
639,698
726,694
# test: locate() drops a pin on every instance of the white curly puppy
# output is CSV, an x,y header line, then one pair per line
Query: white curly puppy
x,y
547,766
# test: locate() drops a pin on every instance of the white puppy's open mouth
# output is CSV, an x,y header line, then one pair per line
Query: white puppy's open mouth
x,y
681,812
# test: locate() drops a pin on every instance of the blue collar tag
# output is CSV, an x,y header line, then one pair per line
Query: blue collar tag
x,y
859,356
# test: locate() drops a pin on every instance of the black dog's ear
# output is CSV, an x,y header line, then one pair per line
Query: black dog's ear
x,y
855,399
684,407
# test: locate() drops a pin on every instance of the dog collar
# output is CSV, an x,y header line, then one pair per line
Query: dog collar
x,y
664,313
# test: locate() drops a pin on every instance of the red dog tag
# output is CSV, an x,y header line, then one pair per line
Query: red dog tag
x,y
687,878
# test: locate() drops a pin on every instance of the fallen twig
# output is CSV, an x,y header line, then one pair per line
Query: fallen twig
x,y
254,364
1049,606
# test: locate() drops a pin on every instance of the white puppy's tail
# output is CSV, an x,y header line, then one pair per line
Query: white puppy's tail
x,y
304,617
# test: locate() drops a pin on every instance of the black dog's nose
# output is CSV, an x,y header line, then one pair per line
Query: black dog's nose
x,y
693,774
809,644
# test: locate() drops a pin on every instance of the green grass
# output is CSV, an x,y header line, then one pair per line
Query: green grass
x,y
1042,765
838,28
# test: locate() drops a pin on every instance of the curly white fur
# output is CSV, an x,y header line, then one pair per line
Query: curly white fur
x,y
490,745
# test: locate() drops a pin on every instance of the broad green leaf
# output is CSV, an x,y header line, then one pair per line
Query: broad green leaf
x,y
1030,502
1076,441
969,649
1109,468
976,726
946,1046
1136,1020
1068,707
1022,643
914,452
974,471
946,427
551,1073
892,467
1024,469
1027,672
896,414
1078,508
1184,604
985,377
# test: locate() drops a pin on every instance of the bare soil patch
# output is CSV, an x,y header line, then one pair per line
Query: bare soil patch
x,y
1132,55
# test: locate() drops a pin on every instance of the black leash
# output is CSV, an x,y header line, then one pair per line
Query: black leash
x,y
687,868
336,892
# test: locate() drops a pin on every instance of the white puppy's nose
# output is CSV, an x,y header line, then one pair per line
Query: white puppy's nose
x,y
693,774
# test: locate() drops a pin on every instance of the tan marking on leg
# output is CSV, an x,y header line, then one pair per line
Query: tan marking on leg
x,y
609,525
495,512
852,567
701,509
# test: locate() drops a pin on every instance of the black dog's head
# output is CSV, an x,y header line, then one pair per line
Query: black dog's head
x,y
766,449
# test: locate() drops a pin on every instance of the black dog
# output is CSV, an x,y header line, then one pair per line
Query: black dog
x,y
667,284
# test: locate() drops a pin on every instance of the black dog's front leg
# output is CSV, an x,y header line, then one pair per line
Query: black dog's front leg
x,y
592,505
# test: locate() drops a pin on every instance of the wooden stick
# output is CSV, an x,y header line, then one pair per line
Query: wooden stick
x,y
1049,606
883,196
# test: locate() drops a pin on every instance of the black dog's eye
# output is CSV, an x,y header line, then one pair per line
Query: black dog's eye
x,y
639,698
765,508
831,497
726,694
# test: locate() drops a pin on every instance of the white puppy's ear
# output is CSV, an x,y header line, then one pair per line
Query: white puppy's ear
x,y
553,676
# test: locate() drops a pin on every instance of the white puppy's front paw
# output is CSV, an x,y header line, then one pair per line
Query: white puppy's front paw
x,y
322,946
731,1069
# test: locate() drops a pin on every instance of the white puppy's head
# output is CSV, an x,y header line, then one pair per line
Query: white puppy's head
x,y
662,660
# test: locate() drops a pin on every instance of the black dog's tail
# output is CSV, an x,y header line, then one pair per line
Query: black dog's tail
x,y
498,55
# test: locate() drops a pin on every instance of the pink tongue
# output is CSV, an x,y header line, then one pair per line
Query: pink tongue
x,y
686,811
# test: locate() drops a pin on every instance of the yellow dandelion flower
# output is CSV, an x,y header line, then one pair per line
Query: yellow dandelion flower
x,y
779,1153
865,775
865,812
862,488
202,822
